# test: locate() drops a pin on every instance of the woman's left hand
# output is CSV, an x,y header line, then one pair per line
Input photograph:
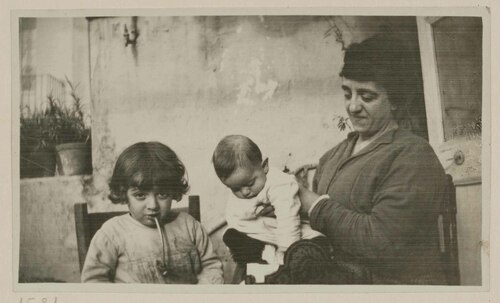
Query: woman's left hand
x,y
307,198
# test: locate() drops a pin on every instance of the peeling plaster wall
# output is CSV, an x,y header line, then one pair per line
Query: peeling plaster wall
x,y
189,81
58,47
47,248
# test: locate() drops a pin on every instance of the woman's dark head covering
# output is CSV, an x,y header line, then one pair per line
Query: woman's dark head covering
x,y
389,63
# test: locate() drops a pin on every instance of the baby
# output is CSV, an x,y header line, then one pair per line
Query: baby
x,y
150,244
239,164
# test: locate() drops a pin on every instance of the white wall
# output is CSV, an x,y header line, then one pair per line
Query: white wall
x,y
47,248
59,47
190,81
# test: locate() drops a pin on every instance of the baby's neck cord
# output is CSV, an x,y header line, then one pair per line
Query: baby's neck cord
x,y
164,270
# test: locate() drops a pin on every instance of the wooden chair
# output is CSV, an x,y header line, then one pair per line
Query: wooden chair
x,y
447,223
87,223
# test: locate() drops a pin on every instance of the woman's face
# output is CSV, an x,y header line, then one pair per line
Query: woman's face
x,y
368,107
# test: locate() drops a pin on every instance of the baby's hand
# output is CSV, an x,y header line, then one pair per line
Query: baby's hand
x,y
265,210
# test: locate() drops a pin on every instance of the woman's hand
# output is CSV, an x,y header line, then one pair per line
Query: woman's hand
x,y
307,198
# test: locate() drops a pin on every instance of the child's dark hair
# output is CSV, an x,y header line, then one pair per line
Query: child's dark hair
x,y
147,165
235,151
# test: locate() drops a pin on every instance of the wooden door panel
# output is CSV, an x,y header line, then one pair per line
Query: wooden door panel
x,y
451,55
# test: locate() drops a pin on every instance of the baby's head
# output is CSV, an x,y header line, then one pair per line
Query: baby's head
x,y
148,176
238,164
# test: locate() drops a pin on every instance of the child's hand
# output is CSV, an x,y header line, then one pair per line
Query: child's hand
x,y
266,211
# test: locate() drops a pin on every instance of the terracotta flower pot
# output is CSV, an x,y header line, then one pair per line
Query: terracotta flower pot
x,y
74,159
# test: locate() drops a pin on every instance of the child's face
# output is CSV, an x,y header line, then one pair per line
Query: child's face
x,y
144,206
247,182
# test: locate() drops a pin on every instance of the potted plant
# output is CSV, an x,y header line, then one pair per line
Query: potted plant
x,y
72,138
55,135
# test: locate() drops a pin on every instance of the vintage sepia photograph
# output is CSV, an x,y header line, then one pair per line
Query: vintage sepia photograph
x,y
313,149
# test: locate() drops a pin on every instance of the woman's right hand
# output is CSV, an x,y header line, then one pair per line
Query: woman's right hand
x,y
307,198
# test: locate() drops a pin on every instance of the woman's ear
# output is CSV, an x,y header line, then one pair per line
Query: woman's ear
x,y
265,165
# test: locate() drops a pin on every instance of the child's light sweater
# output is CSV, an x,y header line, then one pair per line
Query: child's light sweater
x,y
280,191
125,251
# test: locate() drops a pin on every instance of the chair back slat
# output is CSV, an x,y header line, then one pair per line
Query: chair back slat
x,y
194,207
449,234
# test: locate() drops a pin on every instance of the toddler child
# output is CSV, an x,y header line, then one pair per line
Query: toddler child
x,y
151,243
239,164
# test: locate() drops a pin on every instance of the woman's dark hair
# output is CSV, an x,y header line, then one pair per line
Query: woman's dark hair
x,y
388,62
146,165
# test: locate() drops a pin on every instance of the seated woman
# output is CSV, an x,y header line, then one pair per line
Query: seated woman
x,y
384,184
